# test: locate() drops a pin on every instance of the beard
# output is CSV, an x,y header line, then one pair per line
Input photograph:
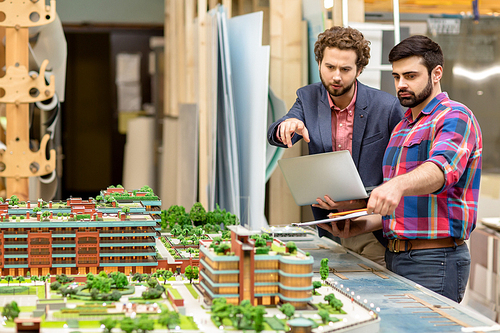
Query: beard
x,y
414,100
337,92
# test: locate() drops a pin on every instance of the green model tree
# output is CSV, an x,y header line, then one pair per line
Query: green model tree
x,y
109,324
9,279
334,302
11,310
20,279
324,270
14,200
34,278
169,318
198,214
176,215
291,247
165,274
258,317
145,324
316,285
220,310
325,316
128,325
288,310
191,273
260,242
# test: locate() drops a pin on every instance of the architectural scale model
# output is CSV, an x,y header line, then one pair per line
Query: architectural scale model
x,y
115,232
264,279
287,232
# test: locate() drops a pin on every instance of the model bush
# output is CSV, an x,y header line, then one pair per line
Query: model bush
x,y
262,250
11,310
291,247
153,292
198,214
55,285
176,215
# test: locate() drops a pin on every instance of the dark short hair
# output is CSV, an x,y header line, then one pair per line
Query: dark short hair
x,y
343,39
420,46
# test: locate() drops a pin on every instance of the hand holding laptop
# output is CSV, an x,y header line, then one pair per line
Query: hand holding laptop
x,y
328,203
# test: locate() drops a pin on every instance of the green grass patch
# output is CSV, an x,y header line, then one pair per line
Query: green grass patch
x,y
329,308
274,323
175,293
192,290
89,324
27,308
52,324
276,248
187,323
18,290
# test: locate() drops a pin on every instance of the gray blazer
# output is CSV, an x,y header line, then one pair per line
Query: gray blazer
x,y
376,113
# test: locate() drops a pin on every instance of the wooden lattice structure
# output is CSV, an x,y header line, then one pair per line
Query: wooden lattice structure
x,y
18,88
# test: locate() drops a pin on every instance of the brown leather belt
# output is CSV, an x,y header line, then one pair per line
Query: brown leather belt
x,y
402,245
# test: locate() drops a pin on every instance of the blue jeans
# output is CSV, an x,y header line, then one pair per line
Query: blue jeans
x,y
444,271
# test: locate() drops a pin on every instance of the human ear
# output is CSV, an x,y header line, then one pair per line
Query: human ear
x,y
437,73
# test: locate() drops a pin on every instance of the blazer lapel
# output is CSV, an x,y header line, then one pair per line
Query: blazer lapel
x,y
325,121
360,119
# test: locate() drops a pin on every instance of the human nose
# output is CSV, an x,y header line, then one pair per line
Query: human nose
x,y
336,75
400,83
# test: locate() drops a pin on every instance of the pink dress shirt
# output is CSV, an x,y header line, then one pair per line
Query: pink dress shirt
x,y
343,124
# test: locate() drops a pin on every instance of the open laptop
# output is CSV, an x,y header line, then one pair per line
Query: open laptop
x,y
314,176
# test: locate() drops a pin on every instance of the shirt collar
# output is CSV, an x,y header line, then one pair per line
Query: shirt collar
x,y
351,104
429,108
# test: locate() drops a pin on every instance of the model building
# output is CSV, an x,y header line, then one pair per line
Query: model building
x,y
112,233
245,273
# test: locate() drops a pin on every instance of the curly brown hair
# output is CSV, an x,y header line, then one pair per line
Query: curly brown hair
x,y
343,39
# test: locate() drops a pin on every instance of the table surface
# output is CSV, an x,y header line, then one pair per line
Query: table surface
x,y
403,304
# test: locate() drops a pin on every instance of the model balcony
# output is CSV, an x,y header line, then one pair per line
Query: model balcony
x,y
65,263
40,241
39,252
82,241
13,263
41,262
87,262
20,232
127,241
220,277
127,252
16,241
15,252
150,261
63,242
16,244
85,251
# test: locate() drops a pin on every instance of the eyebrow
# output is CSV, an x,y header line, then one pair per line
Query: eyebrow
x,y
405,73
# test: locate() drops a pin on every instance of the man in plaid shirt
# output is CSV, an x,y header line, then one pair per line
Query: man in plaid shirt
x,y
432,171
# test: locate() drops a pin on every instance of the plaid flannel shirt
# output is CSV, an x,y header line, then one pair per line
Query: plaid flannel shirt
x,y
447,134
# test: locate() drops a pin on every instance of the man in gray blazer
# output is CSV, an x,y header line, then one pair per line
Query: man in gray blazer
x,y
341,113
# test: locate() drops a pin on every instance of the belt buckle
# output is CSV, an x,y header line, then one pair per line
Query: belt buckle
x,y
395,245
